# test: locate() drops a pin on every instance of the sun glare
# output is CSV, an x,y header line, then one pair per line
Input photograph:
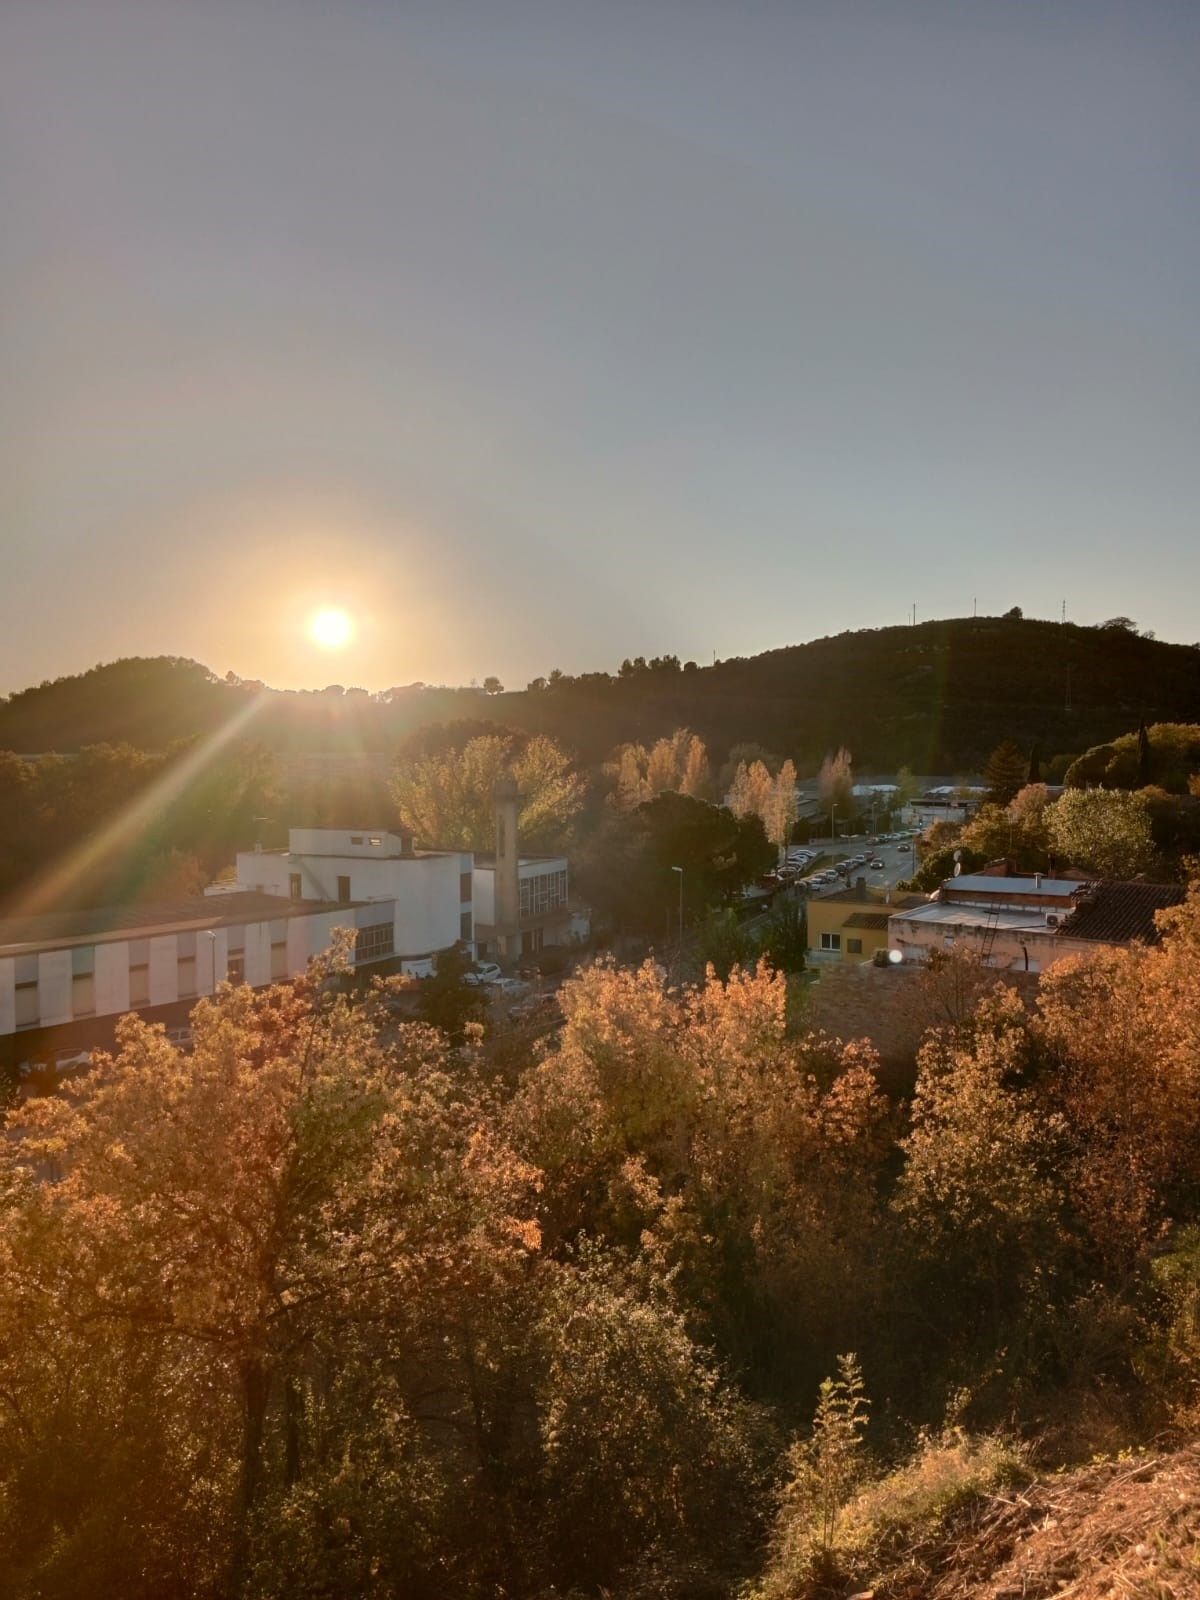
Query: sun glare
x,y
331,628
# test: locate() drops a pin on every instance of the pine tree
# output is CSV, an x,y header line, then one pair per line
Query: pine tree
x,y
1144,777
1005,772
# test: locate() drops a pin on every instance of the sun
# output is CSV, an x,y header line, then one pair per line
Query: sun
x,y
331,628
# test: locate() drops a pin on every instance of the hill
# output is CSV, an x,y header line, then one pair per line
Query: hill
x,y
937,697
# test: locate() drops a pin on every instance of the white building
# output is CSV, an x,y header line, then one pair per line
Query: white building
x,y
65,977
522,903
430,891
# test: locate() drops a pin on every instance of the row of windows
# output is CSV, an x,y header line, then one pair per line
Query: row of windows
x,y
833,941
544,893
376,942
83,983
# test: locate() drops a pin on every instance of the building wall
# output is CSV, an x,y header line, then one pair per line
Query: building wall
x,y
830,916
1030,950
306,936
426,889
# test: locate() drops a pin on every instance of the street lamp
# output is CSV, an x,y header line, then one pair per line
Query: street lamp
x,y
679,870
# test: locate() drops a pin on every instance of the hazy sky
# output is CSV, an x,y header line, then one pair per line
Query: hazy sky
x,y
542,334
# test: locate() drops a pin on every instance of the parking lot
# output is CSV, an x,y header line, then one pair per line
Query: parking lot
x,y
895,856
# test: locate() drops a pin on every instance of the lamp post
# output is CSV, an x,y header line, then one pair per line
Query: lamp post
x,y
679,870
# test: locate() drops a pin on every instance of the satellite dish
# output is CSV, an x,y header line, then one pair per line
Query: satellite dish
x,y
958,863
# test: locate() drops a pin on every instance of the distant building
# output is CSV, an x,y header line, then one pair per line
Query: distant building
x,y
1028,923
66,977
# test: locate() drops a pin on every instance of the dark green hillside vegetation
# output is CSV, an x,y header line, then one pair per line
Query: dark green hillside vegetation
x,y
937,697
1165,754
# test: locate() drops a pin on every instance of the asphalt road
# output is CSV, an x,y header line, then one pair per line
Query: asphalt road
x,y
897,863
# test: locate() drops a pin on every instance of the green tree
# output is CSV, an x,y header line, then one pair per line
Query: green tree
x,y
1005,772
446,1000
784,939
1103,831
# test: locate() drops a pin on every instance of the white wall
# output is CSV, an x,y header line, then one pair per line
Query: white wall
x,y
8,995
483,882
111,978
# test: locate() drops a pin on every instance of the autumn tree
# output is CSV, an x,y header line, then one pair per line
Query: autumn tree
x,y
781,807
447,799
835,782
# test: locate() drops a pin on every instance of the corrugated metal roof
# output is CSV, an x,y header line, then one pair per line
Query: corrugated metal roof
x,y
985,883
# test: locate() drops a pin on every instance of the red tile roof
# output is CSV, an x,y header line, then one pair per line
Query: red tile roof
x,y
1115,913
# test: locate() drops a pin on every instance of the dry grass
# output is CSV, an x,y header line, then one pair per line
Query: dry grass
x,y
956,1523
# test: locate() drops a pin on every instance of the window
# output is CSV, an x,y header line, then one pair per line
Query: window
x,y
531,941
375,943
375,839
139,985
294,886
27,1005
854,947
187,976
464,927
831,941
343,890
356,838
235,967
545,893
464,888
278,960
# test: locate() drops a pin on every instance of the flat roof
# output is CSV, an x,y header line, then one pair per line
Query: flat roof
x,y
949,914
102,924
989,883
487,858
871,899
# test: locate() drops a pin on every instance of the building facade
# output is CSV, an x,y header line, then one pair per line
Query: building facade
x,y
66,977
431,892
1026,923
852,924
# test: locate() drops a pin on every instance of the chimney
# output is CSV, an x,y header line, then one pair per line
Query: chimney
x,y
861,885
508,861
1037,880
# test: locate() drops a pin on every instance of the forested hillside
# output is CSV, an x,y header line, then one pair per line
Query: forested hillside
x,y
937,697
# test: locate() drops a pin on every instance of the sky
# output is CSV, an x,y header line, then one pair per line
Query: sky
x,y
535,333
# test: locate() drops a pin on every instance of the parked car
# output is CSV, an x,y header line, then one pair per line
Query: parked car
x,y
485,972
508,988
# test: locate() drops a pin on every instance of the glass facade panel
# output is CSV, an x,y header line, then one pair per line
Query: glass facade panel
x,y
543,893
376,942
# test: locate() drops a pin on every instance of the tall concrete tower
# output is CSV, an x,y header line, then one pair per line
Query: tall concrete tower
x,y
508,860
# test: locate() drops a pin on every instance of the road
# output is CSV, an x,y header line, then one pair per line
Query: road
x,y
897,863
